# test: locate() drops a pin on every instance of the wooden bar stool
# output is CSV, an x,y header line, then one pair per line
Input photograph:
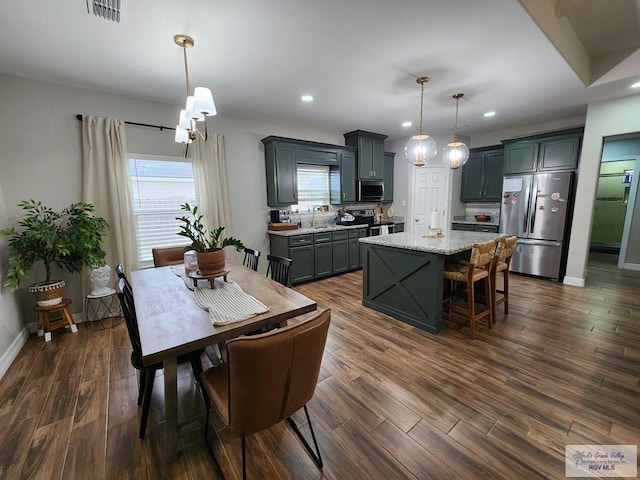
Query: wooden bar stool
x,y
476,269
46,324
504,252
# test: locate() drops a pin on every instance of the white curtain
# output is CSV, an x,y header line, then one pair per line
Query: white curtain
x,y
105,184
210,175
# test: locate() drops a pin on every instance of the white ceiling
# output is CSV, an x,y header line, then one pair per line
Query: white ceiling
x,y
359,58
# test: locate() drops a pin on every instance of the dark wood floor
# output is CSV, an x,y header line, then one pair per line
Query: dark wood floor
x,y
393,402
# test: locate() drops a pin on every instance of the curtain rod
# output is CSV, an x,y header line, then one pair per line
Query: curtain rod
x,y
159,127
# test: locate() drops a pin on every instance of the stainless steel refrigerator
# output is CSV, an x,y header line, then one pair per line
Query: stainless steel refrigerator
x,y
537,208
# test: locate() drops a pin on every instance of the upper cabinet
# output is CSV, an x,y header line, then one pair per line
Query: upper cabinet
x,y
557,151
370,153
388,176
482,175
280,162
348,172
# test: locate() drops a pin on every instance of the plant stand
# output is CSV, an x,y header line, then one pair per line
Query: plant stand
x,y
46,324
100,308
195,276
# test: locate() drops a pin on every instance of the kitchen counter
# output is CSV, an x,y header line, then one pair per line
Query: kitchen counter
x,y
403,274
306,231
469,219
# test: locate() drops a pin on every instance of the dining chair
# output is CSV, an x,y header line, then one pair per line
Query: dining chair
x,y
251,258
501,263
122,276
168,256
147,373
267,378
468,273
278,269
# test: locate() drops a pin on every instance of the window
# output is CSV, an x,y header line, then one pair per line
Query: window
x,y
313,187
159,185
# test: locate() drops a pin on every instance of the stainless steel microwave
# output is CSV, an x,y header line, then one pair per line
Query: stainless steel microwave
x,y
370,191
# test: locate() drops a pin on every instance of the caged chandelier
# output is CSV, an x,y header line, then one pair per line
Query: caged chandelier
x,y
456,153
198,106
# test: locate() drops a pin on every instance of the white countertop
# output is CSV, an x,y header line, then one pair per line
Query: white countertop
x,y
453,241
306,231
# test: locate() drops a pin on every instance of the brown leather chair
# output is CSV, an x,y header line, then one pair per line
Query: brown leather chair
x,y
501,263
470,272
267,378
168,256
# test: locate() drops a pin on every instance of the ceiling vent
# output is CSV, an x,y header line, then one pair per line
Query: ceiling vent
x,y
108,9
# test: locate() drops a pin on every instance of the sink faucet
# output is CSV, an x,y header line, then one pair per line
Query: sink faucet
x,y
313,215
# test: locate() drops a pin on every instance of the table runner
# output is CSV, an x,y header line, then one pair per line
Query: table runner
x,y
226,303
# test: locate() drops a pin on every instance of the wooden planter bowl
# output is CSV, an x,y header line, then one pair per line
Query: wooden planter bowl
x,y
48,293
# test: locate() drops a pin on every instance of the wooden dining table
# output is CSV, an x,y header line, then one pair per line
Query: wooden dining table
x,y
171,323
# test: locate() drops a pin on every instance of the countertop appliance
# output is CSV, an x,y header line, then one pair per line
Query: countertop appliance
x,y
537,208
367,217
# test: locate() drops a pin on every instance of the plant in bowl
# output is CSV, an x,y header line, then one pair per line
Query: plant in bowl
x,y
70,239
208,244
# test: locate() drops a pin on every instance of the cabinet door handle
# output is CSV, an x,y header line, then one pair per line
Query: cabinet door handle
x,y
344,195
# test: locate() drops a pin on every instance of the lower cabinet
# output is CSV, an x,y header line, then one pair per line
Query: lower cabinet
x,y
474,227
321,254
398,227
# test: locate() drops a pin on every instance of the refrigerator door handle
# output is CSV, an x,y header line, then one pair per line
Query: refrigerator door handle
x,y
533,213
526,219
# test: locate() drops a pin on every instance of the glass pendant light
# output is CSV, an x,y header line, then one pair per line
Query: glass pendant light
x,y
456,153
420,148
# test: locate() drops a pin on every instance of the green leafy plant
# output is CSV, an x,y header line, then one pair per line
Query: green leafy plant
x,y
203,240
71,239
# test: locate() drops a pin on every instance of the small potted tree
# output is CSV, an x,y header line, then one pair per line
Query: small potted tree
x,y
207,244
71,239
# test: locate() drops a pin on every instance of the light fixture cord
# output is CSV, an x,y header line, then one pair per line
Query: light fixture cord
x,y
186,67
421,104
455,125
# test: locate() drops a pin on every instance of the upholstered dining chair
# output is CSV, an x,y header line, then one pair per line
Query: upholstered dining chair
x,y
501,263
168,256
267,378
278,268
469,272
251,258
147,373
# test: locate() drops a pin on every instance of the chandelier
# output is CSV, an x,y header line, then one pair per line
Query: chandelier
x,y
456,153
420,148
198,106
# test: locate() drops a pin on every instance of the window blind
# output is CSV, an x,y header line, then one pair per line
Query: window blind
x,y
313,186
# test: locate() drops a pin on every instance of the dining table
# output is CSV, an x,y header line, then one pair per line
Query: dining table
x,y
171,323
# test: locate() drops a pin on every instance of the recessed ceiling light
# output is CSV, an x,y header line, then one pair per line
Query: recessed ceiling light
x,y
307,98
636,85
490,114
406,124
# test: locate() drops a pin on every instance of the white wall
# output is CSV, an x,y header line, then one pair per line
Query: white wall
x,y
604,119
40,158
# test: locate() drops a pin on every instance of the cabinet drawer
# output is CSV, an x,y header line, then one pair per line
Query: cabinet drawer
x,y
300,240
343,235
468,227
355,233
487,228
324,237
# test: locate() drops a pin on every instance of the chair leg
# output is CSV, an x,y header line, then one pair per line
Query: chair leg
x,y
316,457
472,309
146,403
488,299
505,287
244,461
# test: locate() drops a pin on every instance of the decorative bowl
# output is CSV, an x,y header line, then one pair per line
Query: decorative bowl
x,y
482,218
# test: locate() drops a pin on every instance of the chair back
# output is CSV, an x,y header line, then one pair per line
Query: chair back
x,y
125,295
121,275
251,258
274,374
482,254
278,268
508,247
168,256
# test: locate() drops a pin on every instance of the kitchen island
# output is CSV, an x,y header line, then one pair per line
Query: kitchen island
x,y
403,273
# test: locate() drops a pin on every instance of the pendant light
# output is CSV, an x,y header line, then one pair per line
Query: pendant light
x,y
198,106
420,148
456,153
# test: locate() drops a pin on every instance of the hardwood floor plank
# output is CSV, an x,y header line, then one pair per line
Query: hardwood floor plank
x,y
125,452
61,401
92,402
15,439
86,456
46,454
96,364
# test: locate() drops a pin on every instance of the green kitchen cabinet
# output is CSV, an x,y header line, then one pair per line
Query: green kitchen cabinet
x,y
540,153
340,251
370,153
482,175
301,264
280,162
398,227
323,254
348,175
467,227
388,177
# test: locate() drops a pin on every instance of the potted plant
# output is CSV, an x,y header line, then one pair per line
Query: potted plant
x,y
207,244
70,239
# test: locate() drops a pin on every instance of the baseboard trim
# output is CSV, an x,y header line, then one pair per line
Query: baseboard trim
x,y
573,281
13,350
631,266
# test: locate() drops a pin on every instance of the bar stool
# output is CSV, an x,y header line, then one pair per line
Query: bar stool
x,y
46,324
476,269
504,252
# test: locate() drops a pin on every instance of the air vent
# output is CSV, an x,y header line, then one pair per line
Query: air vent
x,y
108,9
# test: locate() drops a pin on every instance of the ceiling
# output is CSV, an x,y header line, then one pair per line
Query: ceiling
x,y
531,61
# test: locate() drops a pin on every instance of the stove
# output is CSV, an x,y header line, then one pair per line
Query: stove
x,y
367,217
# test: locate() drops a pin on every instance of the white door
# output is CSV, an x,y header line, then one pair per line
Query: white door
x,y
430,193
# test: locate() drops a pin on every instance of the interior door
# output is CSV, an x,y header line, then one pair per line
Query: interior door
x,y
430,193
